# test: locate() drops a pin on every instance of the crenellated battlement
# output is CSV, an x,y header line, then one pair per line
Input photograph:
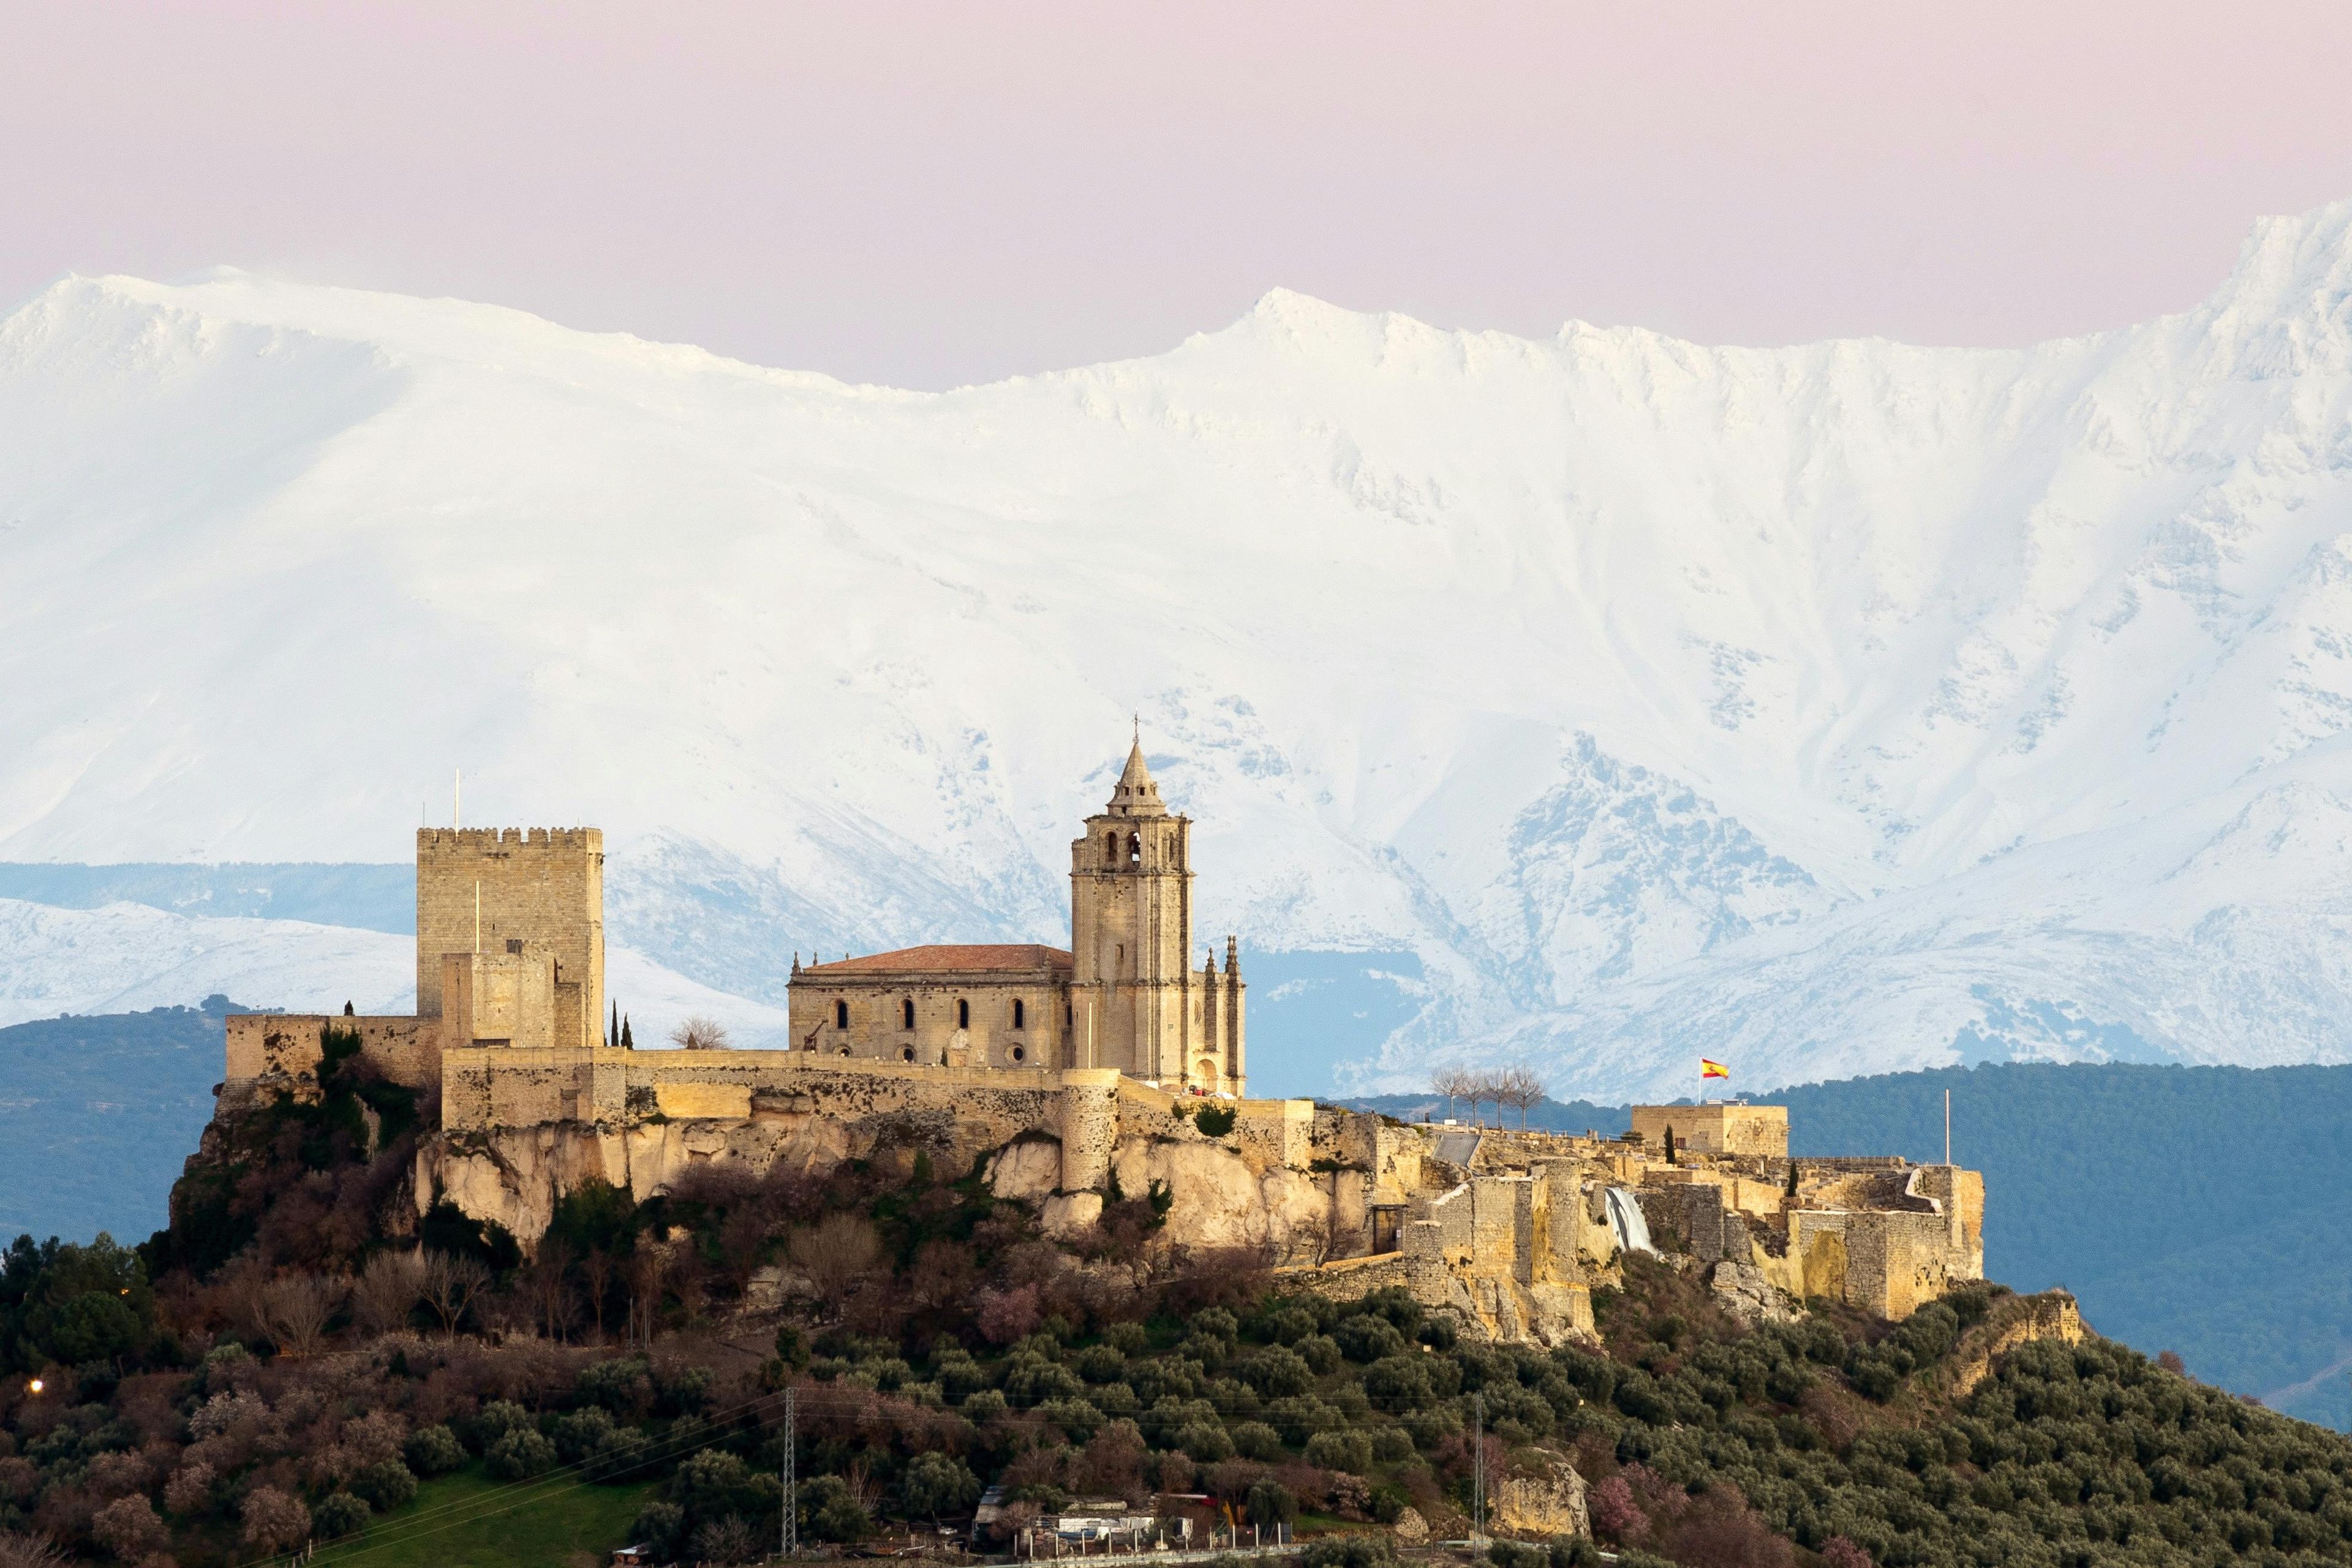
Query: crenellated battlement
x,y
505,840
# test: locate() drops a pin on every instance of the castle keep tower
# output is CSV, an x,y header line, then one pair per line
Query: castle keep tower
x,y
1136,1002
510,935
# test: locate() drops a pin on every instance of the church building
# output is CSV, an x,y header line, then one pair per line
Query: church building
x,y
1122,995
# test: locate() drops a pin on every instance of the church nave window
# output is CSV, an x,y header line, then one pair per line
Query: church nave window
x,y
841,1015
1019,1013
907,1013
963,1014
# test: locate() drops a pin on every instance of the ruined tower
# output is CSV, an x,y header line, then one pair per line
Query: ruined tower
x,y
1136,1002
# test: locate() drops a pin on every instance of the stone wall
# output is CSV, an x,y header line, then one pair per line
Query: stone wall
x,y
1761,1130
964,1020
265,1045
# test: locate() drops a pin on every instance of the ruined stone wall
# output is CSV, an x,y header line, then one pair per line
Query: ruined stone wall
x,y
266,1044
544,885
1896,1263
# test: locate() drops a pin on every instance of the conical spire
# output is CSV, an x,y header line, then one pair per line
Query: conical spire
x,y
1137,794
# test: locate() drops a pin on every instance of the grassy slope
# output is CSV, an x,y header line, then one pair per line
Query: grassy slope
x,y
469,1520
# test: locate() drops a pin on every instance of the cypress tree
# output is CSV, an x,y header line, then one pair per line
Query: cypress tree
x,y
1670,1146
612,1035
627,1044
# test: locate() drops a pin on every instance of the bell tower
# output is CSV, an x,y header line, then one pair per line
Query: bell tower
x,y
1136,1001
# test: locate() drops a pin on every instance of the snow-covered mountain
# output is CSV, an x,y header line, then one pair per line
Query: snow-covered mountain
x,y
127,958
1828,709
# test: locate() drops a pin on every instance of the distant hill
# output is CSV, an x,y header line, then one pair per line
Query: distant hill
x,y
97,1115
2201,1210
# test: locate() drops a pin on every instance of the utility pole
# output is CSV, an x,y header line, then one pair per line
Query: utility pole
x,y
1479,1466
788,1540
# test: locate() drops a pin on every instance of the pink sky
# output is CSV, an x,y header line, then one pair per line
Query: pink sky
x,y
932,194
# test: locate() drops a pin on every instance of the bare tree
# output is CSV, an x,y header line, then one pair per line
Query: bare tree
x,y
597,1268
451,1283
835,1253
699,1034
296,1310
551,1288
389,1288
1452,1083
649,1276
1521,1088
20,1550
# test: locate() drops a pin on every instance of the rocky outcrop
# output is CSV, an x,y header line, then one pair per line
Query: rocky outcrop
x,y
1541,1500
2018,1320
1741,1290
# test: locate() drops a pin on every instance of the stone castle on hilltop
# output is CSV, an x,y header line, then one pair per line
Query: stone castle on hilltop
x,y
1069,1078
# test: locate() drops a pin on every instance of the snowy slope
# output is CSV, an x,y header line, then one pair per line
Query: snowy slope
x,y
127,958
1832,708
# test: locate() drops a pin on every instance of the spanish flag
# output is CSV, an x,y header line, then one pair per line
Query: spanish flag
x,y
1712,1069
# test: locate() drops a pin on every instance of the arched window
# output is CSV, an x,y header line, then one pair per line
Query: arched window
x,y
1134,849
1111,847
908,1012
1019,1013
963,1014
841,1015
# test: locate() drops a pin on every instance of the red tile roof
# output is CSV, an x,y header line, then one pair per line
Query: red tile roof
x,y
949,958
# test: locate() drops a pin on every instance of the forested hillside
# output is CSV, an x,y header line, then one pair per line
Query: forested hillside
x,y
299,1360
2192,1209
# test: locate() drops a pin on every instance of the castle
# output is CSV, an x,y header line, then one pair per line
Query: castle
x,y
1123,997
1068,1078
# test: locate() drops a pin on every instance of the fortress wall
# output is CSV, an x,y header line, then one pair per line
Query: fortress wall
x,y
260,1044
1896,1262
1280,1130
1716,1128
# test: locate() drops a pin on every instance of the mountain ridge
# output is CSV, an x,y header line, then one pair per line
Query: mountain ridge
x,y
1842,707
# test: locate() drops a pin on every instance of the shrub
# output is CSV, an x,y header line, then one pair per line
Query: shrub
x,y
1256,1440
1270,1504
1398,1382
1214,1120
384,1486
938,1483
830,1511
624,1387
130,1528
1275,1372
1320,1352
1343,1451
1350,1552
433,1451
662,1526
1367,1338
1205,1441
494,1421
519,1454
274,1520
338,1514
1391,1446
